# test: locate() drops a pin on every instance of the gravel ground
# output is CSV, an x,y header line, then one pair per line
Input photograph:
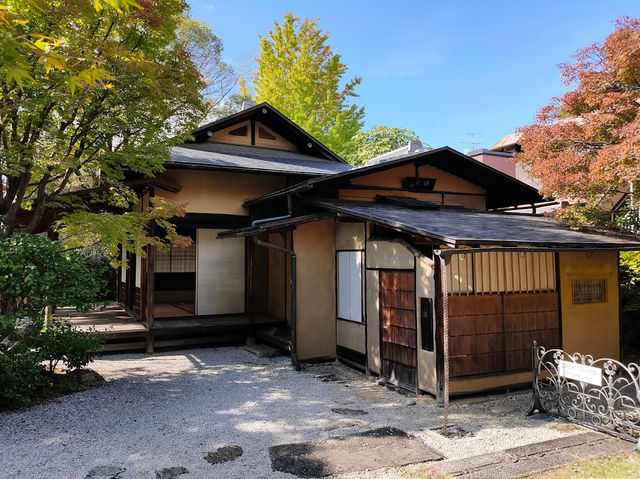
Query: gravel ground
x,y
170,409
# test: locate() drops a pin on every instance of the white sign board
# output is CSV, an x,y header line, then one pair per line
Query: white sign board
x,y
580,372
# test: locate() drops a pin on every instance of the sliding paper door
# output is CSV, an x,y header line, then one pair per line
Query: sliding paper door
x,y
220,274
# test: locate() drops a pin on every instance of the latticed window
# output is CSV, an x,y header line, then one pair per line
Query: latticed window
x,y
176,260
585,291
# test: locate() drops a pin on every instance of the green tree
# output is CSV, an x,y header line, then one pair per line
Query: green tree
x,y
91,95
376,141
300,75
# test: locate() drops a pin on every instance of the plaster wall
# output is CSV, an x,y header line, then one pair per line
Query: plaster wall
x,y
217,191
314,245
592,328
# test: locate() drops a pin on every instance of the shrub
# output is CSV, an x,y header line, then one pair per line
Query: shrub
x,y
21,377
62,342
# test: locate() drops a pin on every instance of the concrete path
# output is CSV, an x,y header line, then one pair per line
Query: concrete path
x,y
517,461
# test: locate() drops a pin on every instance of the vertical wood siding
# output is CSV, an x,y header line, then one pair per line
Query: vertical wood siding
x,y
398,326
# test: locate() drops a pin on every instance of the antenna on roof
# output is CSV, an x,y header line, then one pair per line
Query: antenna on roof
x,y
473,142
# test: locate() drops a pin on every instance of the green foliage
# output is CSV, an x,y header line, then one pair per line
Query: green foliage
x,y
27,366
113,88
300,75
97,259
377,141
36,272
61,341
40,270
22,378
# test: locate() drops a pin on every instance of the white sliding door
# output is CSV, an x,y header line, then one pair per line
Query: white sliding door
x,y
220,274
350,285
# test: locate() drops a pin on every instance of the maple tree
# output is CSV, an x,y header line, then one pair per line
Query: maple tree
x,y
586,143
93,92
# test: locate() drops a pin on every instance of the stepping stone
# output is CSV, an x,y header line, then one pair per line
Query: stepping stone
x,y
325,378
261,350
105,472
371,394
224,454
344,423
171,472
375,449
345,411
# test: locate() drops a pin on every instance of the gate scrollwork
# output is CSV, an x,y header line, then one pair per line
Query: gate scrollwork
x,y
612,407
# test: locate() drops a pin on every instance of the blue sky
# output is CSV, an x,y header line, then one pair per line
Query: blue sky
x,y
442,69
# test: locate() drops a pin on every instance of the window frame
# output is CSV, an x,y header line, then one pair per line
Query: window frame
x,y
360,255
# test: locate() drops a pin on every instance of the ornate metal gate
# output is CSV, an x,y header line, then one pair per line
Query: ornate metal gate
x,y
603,394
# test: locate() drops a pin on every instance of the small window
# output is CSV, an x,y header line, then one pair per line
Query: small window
x,y
264,134
349,266
426,323
585,291
240,131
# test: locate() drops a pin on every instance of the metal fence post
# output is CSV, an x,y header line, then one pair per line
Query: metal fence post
x,y
536,403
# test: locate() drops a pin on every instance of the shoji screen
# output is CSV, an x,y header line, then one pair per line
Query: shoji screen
x,y
220,274
350,285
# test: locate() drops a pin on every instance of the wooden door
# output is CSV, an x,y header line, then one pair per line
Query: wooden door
x,y
398,327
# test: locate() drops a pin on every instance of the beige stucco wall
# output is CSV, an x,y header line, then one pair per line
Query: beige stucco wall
x,y
276,299
372,301
590,328
425,288
217,191
388,254
350,236
351,335
314,245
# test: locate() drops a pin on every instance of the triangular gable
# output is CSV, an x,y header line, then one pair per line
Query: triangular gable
x,y
263,126
501,189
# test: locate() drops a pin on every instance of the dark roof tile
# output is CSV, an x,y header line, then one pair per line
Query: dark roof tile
x,y
251,158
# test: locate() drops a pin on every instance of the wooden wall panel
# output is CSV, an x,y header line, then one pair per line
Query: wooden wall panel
x,y
398,327
492,334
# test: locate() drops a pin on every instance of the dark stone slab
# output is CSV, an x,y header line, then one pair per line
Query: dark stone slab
x,y
345,411
224,454
171,472
384,447
105,472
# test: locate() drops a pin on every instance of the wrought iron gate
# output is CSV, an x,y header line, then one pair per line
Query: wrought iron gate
x,y
603,394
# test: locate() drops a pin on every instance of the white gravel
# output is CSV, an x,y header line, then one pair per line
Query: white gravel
x,y
169,409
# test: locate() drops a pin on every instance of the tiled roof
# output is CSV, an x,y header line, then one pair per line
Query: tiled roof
x,y
469,227
251,158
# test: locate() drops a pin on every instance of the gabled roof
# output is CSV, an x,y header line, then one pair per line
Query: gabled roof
x,y
457,226
275,120
502,189
220,156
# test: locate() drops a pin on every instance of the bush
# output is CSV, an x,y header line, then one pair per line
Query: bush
x,y
27,368
22,378
36,272
62,342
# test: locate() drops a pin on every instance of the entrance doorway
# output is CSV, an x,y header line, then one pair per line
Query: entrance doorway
x,y
398,333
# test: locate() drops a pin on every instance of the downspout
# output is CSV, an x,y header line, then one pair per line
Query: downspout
x,y
292,254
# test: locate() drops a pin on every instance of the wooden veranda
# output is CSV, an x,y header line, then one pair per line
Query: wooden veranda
x,y
126,333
